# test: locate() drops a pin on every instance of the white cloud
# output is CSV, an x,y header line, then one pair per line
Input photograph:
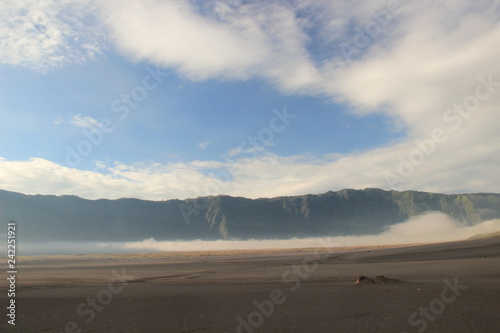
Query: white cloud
x,y
235,42
84,121
424,71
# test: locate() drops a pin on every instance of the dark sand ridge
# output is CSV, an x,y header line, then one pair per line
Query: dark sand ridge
x,y
200,292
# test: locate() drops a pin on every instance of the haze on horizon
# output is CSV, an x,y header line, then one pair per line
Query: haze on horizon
x,y
431,227
248,98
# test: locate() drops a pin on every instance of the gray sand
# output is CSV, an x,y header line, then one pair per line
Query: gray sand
x,y
449,287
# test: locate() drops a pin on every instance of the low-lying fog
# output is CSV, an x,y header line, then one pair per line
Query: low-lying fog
x,y
428,227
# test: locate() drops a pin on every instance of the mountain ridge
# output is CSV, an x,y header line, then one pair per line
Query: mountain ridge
x,y
344,212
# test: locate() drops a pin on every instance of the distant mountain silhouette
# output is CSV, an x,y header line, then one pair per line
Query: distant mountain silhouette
x,y
346,212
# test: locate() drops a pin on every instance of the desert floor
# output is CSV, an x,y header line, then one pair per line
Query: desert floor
x,y
448,287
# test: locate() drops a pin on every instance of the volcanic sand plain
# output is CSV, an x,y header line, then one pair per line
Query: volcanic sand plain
x,y
445,287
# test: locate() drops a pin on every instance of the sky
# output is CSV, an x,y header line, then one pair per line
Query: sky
x,y
163,99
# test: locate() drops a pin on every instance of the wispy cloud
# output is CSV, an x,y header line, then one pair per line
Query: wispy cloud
x,y
47,34
203,145
58,121
84,121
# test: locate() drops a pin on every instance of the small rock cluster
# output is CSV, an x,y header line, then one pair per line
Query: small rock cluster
x,y
365,279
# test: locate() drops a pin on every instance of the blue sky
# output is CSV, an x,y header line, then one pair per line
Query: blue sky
x,y
365,85
178,121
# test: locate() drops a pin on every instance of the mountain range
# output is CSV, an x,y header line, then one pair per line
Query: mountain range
x,y
345,212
